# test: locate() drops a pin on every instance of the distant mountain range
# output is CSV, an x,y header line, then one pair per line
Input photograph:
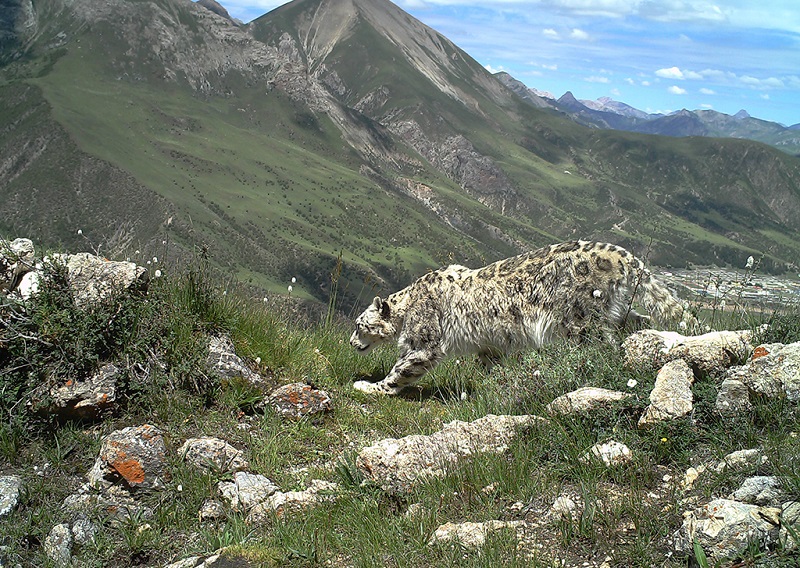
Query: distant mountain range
x,y
608,113
347,128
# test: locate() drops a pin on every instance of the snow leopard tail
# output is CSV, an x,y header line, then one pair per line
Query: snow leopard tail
x,y
659,300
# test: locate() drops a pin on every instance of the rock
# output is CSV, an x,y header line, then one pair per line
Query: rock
x,y
396,464
584,400
214,454
93,279
724,528
471,536
134,456
790,518
733,398
298,400
760,490
774,371
211,510
671,396
223,362
83,530
58,545
564,508
710,353
611,453
114,504
246,490
16,260
742,459
280,504
10,491
88,399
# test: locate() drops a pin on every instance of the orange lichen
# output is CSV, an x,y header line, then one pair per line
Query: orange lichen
x,y
131,470
760,351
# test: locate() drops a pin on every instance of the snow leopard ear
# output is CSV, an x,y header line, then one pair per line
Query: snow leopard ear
x,y
377,302
385,310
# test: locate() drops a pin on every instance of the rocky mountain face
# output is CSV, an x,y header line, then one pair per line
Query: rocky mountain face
x,y
344,128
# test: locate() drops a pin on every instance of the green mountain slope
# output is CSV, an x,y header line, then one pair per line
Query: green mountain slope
x,y
340,126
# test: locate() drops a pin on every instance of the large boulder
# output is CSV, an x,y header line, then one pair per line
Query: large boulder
x,y
724,528
397,464
708,354
584,399
773,371
93,279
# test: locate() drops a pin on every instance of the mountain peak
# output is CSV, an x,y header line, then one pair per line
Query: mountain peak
x,y
215,7
742,114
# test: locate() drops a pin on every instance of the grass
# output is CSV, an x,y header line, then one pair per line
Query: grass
x,y
627,513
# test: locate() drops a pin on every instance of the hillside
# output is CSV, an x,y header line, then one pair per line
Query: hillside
x,y
348,127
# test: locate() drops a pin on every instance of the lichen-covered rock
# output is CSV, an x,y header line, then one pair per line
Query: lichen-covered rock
x,y
298,400
93,279
115,504
246,490
584,399
671,396
711,353
773,370
223,362
213,453
790,525
134,456
724,528
87,399
733,398
58,545
396,464
470,535
280,503
10,490
742,459
761,490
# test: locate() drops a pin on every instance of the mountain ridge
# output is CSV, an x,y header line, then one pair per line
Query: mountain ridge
x,y
308,134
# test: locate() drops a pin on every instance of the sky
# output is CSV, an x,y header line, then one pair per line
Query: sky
x,y
659,56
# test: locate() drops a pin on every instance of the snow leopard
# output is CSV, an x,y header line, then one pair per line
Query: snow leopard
x,y
523,302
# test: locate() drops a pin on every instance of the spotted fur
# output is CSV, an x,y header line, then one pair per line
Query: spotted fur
x,y
521,302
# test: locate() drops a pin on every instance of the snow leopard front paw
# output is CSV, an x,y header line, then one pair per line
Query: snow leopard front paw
x,y
376,388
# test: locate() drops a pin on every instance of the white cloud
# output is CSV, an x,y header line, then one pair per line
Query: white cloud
x,y
706,106
765,96
616,92
670,73
550,32
630,81
596,79
675,90
645,83
553,67
579,34
769,83
706,91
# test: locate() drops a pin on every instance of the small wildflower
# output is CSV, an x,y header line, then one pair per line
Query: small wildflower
x,y
290,288
258,360
148,263
722,303
632,383
137,251
157,274
163,242
750,262
597,294
294,280
180,487
224,292
663,440
155,259
463,396
80,232
682,325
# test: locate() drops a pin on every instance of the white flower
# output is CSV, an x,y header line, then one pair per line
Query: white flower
x,y
137,252
258,360
290,288
148,263
266,299
163,242
180,487
224,292
632,383
750,262
80,232
294,280
722,303
463,396
682,325
597,294
157,274
155,259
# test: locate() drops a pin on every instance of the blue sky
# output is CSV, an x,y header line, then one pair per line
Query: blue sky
x,y
656,55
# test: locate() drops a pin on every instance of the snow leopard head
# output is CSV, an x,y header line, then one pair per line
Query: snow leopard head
x,y
373,327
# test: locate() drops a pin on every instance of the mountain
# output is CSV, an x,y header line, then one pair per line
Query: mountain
x,y
331,129
608,113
